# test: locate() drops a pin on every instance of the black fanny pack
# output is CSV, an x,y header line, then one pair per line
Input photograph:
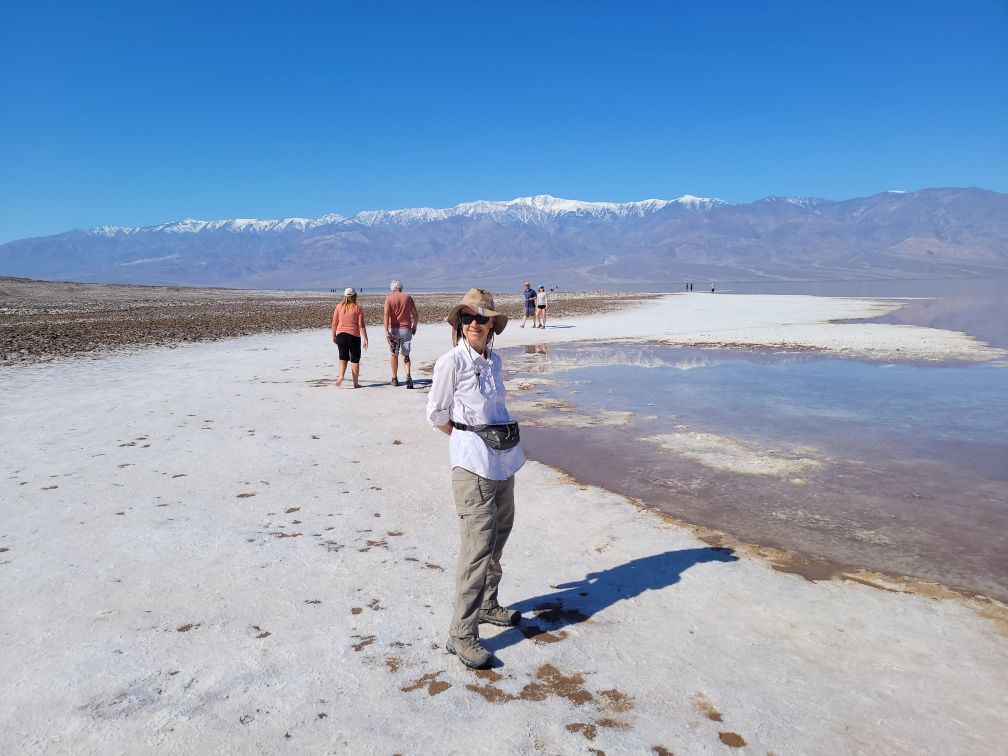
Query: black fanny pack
x,y
497,436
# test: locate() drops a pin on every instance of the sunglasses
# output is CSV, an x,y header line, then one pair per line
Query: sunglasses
x,y
466,318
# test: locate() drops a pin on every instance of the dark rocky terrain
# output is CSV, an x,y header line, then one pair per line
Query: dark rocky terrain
x,y
41,320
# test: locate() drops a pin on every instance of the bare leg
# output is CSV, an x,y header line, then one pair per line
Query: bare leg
x,y
342,372
355,372
394,364
408,366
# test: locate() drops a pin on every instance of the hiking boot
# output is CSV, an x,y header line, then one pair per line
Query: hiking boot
x,y
499,615
470,652
394,381
409,381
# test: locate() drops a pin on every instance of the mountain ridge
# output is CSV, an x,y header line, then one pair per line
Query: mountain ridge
x,y
541,203
928,232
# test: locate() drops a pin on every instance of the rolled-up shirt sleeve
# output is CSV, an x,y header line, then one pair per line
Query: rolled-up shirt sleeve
x,y
442,393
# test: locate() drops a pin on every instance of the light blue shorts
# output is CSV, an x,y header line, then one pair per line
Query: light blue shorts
x,y
399,341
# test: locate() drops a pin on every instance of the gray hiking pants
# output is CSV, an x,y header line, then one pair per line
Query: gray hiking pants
x,y
486,513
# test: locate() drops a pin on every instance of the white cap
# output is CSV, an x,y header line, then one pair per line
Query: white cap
x,y
348,291
396,285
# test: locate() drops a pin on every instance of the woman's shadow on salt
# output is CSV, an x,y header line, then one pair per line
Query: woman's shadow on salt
x,y
576,602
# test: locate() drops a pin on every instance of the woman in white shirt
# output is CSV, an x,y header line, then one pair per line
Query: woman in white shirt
x,y
542,304
466,402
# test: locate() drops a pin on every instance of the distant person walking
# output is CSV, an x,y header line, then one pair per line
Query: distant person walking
x,y
401,321
466,402
348,331
542,304
529,296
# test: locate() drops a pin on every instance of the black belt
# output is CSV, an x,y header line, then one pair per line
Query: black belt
x,y
480,428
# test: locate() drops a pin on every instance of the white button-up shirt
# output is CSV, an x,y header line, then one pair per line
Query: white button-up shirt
x,y
468,389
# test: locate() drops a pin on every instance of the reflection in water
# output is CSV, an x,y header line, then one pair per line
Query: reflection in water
x,y
981,310
976,306
910,472
535,349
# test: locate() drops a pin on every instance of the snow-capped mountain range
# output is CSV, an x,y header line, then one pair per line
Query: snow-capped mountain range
x,y
522,209
575,244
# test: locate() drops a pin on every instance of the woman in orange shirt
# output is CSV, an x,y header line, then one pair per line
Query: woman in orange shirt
x,y
347,332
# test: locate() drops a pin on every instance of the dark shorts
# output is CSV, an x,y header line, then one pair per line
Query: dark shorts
x,y
542,307
349,347
529,308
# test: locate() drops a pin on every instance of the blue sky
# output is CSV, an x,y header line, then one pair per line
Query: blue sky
x,y
136,113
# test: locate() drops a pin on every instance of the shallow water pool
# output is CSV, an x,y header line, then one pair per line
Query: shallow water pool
x,y
901,468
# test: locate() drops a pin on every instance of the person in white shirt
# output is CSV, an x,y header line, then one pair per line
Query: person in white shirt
x,y
466,402
542,304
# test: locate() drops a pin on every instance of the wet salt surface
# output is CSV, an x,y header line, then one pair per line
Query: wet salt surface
x,y
900,468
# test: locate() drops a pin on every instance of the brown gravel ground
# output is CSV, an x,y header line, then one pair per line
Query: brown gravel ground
x,y
42,320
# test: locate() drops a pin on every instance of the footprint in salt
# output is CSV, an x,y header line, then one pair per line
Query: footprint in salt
x,y
732,739
365,640
429,681
588,730
540,635
704,705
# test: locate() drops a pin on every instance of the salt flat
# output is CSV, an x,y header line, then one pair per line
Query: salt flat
x,y
212,549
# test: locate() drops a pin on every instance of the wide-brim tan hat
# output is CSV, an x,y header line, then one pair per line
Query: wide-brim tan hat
x,y
481,302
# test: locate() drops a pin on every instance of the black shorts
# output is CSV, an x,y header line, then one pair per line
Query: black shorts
x,y
349,347
541,307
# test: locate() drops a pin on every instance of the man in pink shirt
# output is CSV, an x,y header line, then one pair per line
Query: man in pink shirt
x,y
401,321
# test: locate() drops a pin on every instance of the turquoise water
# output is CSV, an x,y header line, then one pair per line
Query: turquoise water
x,y
909,462
954,414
